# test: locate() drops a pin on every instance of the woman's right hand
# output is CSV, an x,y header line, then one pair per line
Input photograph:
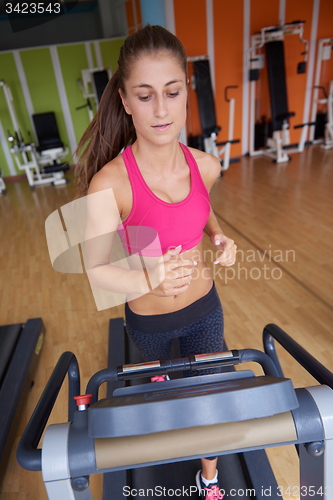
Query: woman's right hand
x,y
173,273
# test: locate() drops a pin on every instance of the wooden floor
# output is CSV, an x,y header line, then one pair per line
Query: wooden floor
x,y
281,219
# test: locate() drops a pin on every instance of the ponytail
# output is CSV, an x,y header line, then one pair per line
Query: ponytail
x,y
109,132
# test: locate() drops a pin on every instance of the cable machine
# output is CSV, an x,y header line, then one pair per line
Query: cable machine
x,y
323,120
276,140
92,84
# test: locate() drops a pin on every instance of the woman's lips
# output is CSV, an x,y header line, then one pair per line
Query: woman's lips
x,y
162,128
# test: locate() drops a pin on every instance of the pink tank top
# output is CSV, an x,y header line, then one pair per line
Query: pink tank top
x,y
154,226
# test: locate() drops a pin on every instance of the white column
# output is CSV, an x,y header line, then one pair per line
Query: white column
x,y
210,39
63,98
169,13
282,12
246,46
311,60
6,150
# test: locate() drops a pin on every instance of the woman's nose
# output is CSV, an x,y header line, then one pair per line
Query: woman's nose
x,y
160,107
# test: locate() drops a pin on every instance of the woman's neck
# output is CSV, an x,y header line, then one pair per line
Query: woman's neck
x,y
164,158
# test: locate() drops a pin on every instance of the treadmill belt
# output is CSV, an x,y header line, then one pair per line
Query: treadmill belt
x,y
157,480
8,338
179,478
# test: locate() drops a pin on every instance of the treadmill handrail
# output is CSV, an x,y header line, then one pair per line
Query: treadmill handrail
x,y
27,453
192,362
303,357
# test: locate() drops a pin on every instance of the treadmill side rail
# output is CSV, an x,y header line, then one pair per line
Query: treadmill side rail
x,y
317,463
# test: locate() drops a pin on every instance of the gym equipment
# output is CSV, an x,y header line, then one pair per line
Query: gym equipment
x,y
322,120
2,184
50,147
92,84
26,159
328,140
20,347
153,428
272,38
202,84
36,166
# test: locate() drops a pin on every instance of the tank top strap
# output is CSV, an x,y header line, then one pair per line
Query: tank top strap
x,y
130,164
139,192
197,180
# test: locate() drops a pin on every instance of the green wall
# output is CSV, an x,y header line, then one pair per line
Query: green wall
x,y
42,86
110,52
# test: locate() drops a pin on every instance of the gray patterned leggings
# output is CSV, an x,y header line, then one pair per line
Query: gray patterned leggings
x,y
199,328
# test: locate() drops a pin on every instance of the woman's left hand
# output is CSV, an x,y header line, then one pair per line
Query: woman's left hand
x,y
226,249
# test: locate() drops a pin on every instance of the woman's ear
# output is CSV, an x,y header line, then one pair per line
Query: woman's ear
x,y
123,100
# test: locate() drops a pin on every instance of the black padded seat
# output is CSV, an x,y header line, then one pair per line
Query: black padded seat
x,y
47,131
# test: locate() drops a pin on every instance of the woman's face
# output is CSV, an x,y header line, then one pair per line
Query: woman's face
x,y
156,96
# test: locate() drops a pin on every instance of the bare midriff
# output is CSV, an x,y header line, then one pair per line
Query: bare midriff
x,y
201,283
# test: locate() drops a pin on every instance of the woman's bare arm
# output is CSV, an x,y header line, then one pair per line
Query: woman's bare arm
x,y
102,244
163,275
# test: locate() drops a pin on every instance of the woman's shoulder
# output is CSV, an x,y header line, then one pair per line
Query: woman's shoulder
x,y
209,166
112,175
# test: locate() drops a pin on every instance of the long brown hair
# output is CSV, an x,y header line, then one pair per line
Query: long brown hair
x,y
112,128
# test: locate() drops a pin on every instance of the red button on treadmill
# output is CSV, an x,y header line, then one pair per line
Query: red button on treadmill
x,y
83,400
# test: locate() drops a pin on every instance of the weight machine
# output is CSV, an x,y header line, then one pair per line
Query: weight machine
x,y
50,148
92,84
41,167
201,83
323,121
278,139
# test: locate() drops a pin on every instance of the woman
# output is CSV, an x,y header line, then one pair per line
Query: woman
x,y
161,184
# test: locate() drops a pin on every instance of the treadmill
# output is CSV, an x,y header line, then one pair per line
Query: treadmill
x,y
150,436
238,472
20,348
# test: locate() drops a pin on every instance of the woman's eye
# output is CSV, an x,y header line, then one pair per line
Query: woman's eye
x,y
144,98
173,94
